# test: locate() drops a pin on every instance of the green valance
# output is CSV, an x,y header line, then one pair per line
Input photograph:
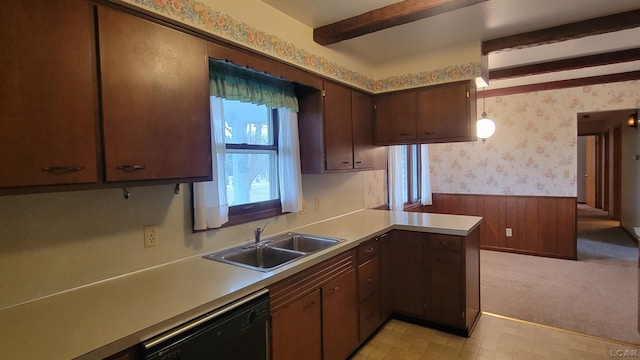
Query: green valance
x,y
235,83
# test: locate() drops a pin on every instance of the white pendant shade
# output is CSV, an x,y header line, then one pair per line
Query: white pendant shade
x,y
485,127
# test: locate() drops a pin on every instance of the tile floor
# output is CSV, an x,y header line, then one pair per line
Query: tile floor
x,y
495,337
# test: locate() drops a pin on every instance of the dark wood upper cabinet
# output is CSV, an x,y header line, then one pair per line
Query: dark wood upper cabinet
x,y
365,154
335,128
446,113
395,118
338,137
47,94
94,97
439,113
155,100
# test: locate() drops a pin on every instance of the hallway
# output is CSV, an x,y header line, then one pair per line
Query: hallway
x,y
601,240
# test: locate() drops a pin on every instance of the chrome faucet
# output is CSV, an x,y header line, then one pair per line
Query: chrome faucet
x,y
258,232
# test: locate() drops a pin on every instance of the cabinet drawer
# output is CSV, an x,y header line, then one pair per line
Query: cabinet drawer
x,y
367,250
368,278
370,316
446,242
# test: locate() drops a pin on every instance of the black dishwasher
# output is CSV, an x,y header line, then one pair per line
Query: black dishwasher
x,y
237,331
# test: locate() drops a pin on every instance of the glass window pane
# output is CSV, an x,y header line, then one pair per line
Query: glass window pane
x,y
247,123
250,176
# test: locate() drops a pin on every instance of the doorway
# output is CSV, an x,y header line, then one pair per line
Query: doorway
x,y
598,183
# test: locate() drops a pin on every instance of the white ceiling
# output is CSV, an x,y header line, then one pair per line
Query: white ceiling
x,y
485,21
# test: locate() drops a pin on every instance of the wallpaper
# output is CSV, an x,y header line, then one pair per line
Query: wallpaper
x,y
375,188
533,151
202,16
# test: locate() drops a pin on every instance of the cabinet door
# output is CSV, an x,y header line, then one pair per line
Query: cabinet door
x,y
339,317
387,274
155,100
446,294
47,96
395,120
444,113
365,154
338,136
408,267
296,329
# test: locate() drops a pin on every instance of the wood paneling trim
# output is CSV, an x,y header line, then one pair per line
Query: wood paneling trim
x,y
541,225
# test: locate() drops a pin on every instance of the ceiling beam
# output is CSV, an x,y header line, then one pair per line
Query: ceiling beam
x,y
609,58
385,17
561,84
576,30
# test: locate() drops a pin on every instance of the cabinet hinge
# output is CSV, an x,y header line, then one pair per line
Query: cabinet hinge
x,y
324,93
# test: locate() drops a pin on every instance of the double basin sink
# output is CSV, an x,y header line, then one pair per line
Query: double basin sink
x,y
274,252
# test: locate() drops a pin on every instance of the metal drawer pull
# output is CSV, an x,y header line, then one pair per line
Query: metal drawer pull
x,y
369,279
61,170
369,250
429,132
444,244
130,168
405,134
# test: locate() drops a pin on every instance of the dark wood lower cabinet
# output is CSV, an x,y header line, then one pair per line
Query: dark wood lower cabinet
x,y
339,317
432,279
296,329
314,314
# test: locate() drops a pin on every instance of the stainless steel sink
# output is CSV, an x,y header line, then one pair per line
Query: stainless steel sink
x,y
302,242
273,252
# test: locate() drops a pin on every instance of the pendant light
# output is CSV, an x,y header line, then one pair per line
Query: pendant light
x,y
485,127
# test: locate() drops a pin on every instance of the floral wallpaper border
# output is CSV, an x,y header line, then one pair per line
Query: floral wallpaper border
x,y
215,22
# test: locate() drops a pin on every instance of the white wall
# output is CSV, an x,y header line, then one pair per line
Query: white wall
x,y
630,206
58,241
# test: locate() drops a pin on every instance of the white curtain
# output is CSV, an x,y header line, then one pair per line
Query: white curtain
x,y
211,209
289,161
426,197
396,178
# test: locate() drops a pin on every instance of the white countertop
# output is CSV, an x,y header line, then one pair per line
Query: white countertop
x,y
103,318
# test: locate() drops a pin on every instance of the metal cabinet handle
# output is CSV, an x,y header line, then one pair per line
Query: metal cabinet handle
x,y
61,170
430,132
370,279
369,250
405,134
130,168
359,162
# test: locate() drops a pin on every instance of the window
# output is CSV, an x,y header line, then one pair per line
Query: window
x,y
411,174
409,179
255,152
251,157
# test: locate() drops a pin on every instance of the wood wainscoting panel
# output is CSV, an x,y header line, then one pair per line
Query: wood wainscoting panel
x,y
541,225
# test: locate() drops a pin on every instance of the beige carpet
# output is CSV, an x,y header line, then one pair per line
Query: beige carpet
x,y
597,295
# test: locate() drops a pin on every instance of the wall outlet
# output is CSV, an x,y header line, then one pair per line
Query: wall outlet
x,y
317,203
150,236
509,232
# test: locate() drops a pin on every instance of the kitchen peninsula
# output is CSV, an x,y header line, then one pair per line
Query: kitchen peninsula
x,y
104,318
